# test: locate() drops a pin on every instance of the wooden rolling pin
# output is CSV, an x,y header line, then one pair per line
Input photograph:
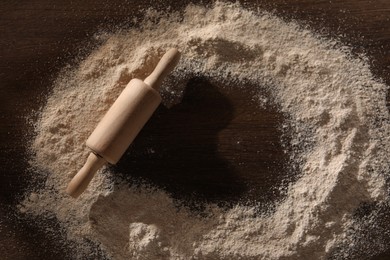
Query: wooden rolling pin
x,y
123,121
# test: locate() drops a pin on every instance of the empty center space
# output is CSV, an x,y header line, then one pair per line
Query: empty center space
x,y
217,144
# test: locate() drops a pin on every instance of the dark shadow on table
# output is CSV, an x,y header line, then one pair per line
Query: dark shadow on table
x,y
177,149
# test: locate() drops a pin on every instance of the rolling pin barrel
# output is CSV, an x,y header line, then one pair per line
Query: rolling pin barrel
x,y
123,121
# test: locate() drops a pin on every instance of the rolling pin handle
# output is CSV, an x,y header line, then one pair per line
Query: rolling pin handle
x,y
167,63
81,180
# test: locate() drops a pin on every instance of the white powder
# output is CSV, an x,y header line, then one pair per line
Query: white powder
x,y
334,102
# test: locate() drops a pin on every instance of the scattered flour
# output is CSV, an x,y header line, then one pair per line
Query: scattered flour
x,y
333,101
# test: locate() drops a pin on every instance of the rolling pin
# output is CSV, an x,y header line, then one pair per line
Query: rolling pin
x,y
122,122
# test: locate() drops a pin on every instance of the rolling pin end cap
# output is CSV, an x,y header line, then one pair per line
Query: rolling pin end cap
x,y
81,180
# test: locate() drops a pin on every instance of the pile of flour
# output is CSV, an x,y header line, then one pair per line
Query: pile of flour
x,y
334,104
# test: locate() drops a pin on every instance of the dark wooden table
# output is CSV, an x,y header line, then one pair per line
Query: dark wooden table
x,y
38,37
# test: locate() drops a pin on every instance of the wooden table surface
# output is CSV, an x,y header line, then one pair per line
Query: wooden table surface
x,y
38,37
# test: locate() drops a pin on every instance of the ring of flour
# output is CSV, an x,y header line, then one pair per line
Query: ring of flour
x,y
332,98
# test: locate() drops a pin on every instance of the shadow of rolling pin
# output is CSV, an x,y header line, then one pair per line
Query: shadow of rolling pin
x,y
123,121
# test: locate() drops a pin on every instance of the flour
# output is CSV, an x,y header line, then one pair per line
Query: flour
x,y
334,103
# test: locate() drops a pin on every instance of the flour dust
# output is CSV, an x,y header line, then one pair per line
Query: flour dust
x,y
333,102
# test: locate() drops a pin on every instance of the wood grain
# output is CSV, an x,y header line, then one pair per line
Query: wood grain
x,y
39,37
